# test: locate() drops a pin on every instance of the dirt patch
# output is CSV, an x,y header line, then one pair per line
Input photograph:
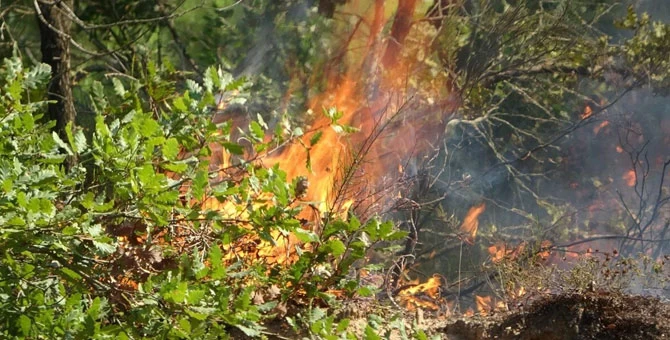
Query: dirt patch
x,y
595,315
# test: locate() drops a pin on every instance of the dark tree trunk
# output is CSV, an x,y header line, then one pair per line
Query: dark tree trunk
x,y
402,22
54,27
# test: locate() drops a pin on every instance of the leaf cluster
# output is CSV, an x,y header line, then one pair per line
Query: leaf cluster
x,y
163,227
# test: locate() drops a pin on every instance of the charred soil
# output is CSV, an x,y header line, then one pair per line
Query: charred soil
x,y
592,315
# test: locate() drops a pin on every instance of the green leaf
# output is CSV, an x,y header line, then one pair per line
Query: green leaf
x,y
24,324
370,334
215,259
195,296
251,332
60,143
104,248
196,315
80,142
96,310
28,121
420,335
77,141
315,138
175,167
334,227
119,89
316,314
185,325
211,79
365,291
306,235
256,130
179,293
16,221
234,148
335,247
7,185
342,325
193,87
354,223
38,75
70,274
149,127
199,184
236,84
179,104
14,90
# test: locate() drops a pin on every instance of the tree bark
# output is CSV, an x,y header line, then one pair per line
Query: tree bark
x,y
399,30
54,25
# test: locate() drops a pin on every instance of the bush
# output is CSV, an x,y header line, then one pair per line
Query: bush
x,y
143,237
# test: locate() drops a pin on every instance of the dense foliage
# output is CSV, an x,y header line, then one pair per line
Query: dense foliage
x,y
121,245
153,214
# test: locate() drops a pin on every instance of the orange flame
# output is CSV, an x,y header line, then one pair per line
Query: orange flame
x,y
600,126
389,132
587,112
425,295
471,223
630,177
485,305
394,124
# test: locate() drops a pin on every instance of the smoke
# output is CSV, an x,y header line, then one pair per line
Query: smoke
x,y
587,173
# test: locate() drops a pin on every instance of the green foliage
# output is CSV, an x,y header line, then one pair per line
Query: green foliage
x,y
651,39
122,244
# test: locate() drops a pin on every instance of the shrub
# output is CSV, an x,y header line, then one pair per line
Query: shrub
x,y
143,237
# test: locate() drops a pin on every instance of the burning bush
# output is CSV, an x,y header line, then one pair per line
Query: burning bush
x,y
143,236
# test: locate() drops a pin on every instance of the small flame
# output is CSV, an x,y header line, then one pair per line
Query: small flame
x,y
587,112
497,252
501,251
484,304
545,251
521,292
600,126
471,223
422,295
630,177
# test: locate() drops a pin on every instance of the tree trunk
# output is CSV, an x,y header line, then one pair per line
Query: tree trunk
x,y
54,27
399,30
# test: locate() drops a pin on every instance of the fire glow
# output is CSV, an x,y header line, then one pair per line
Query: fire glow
x,y
356,169
393,123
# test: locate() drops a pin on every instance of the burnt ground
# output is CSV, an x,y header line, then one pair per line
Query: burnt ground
x,y
594,315
568,316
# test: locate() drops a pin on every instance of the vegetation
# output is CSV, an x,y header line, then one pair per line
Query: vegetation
x,y
145,145
122,244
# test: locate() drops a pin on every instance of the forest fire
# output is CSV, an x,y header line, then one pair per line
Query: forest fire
x,y
319,169
368,126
